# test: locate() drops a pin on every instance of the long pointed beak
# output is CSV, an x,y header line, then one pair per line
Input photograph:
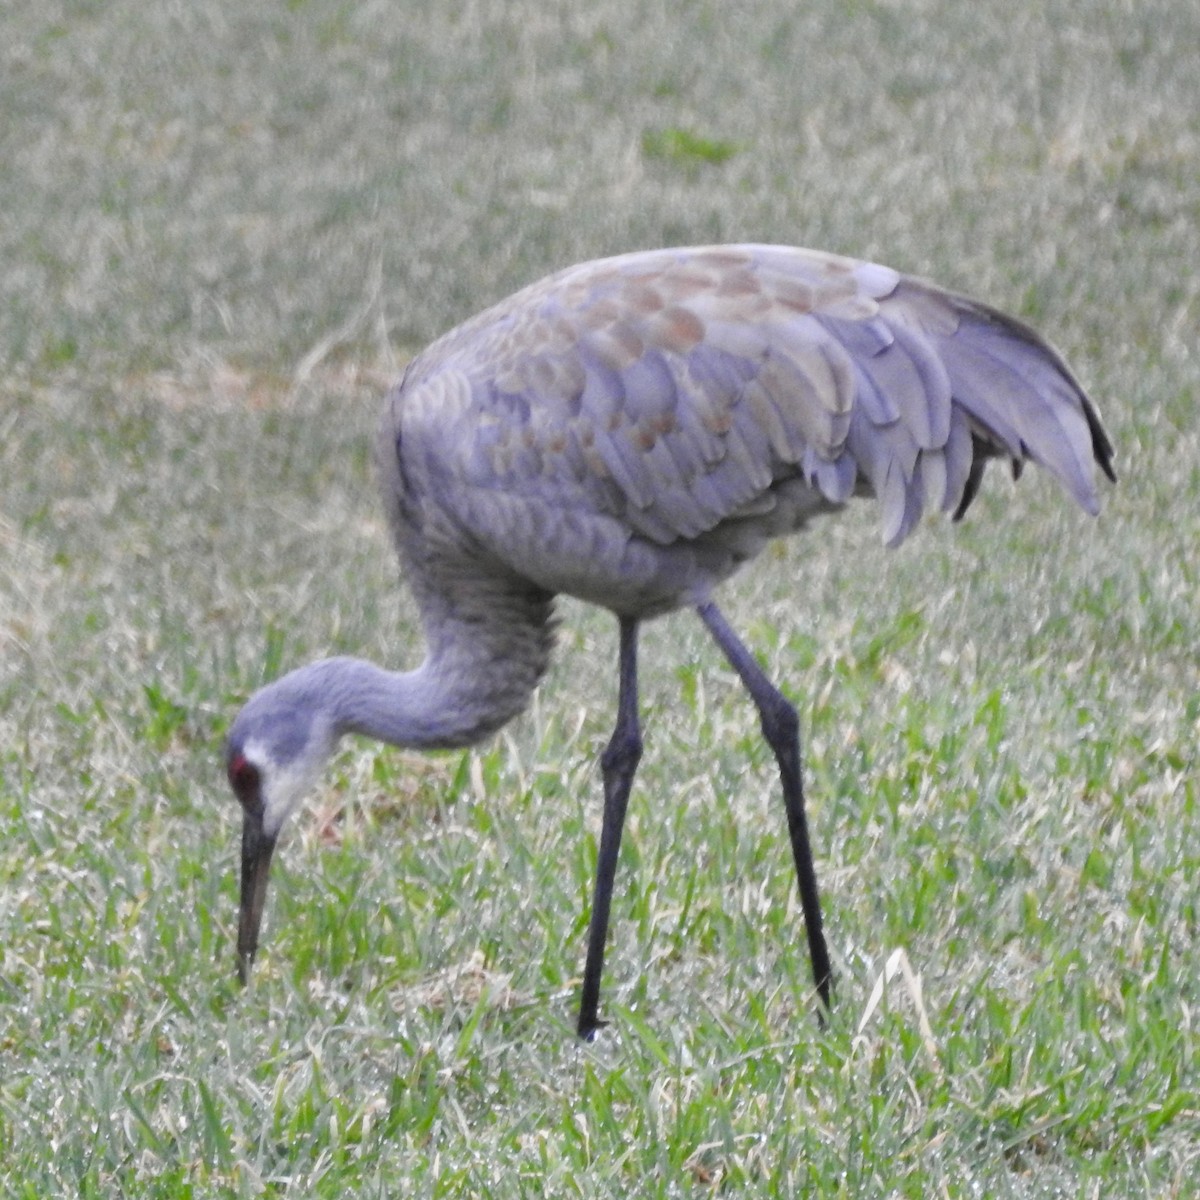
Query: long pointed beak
x,y
257,849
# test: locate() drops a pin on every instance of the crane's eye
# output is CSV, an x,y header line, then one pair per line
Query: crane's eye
x,y
244,779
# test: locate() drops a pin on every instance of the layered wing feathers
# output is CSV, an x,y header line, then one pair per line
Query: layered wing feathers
x,y
672,391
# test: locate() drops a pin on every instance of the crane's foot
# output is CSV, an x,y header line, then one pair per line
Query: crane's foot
x,y
587,1027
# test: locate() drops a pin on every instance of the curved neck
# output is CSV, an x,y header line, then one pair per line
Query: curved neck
x,y
476,678
437,706
488,648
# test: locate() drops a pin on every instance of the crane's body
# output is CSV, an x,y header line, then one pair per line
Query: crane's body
x,y
631,431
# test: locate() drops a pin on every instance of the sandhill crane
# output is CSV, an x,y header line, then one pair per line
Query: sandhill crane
x,y
631,431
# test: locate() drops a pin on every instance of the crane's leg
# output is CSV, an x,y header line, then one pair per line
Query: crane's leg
x,y
618,764
781,728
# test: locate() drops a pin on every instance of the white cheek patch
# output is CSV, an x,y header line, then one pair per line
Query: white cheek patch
x,y
283,786
285,789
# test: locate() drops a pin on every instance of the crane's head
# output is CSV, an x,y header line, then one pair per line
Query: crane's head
x,y
275,750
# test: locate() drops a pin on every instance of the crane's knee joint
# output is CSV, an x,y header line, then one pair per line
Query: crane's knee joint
x,y
780,721
623,752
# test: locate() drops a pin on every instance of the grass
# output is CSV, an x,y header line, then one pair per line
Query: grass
x,y
223,230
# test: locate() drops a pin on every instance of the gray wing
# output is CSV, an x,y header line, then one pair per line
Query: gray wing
x,y
667,392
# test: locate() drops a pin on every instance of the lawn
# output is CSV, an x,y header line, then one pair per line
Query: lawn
x,y
223,231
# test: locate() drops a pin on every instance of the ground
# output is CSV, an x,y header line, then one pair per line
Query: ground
x,y
224,230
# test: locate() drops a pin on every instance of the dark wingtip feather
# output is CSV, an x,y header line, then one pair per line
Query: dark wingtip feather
x,y
1102,448
974,478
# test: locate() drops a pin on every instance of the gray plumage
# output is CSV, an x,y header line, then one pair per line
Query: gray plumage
x,y
631,431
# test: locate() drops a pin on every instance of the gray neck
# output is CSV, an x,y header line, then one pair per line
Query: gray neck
x,y
475,679
488,649
433,707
